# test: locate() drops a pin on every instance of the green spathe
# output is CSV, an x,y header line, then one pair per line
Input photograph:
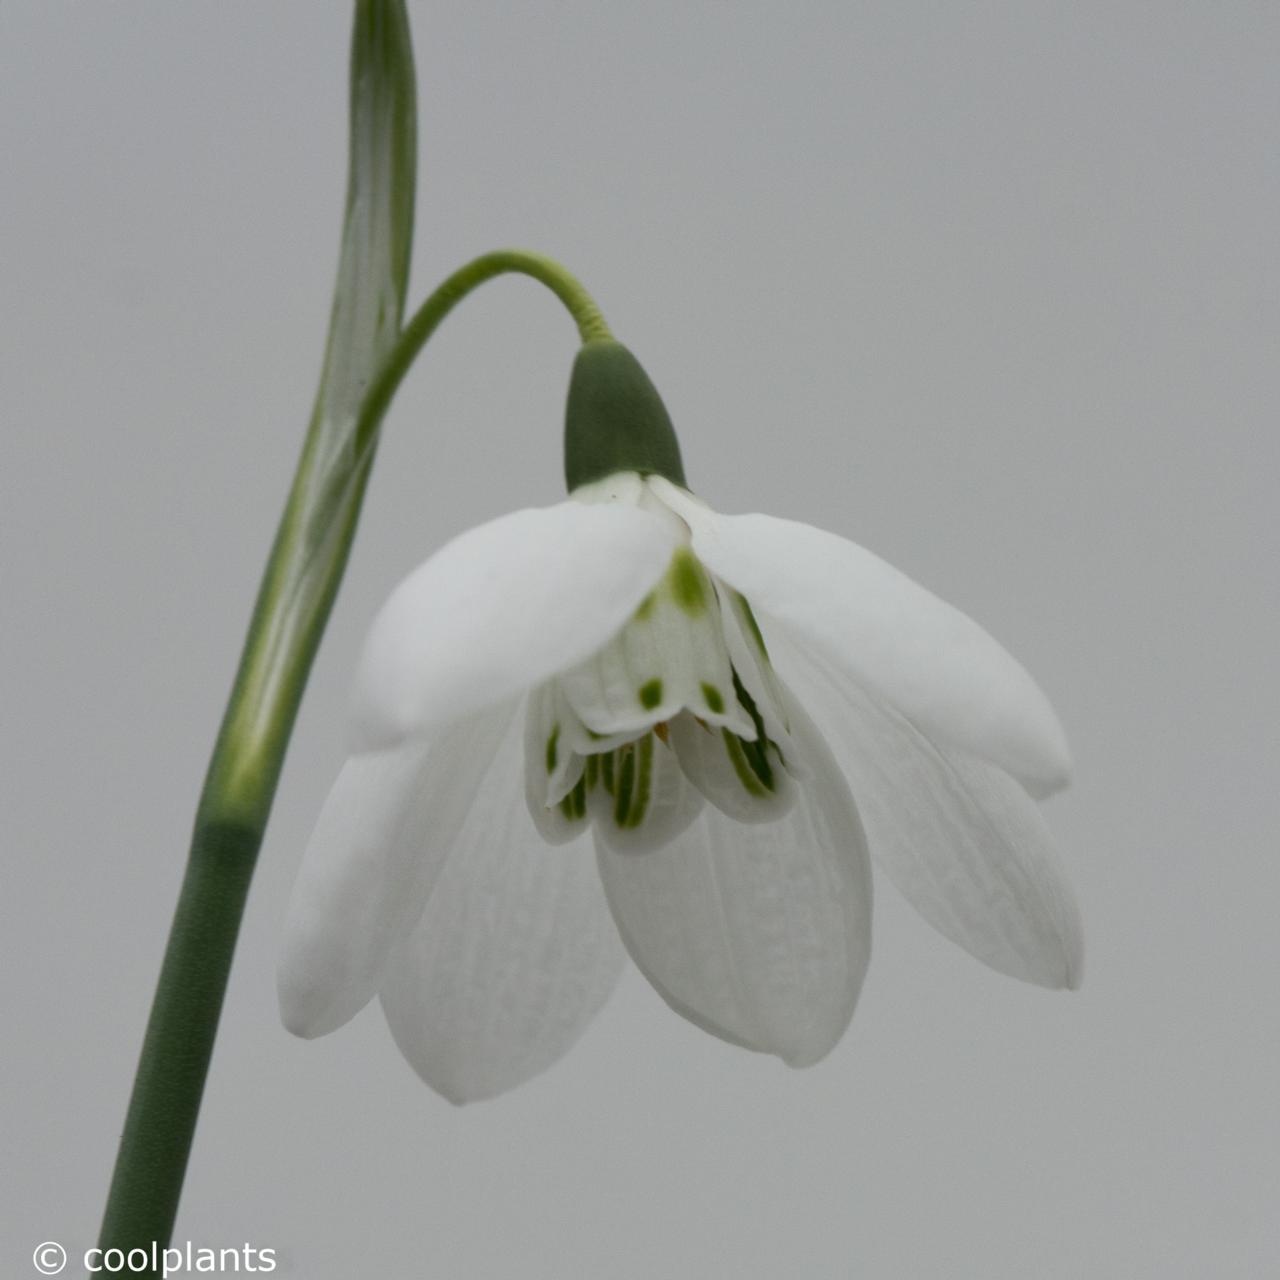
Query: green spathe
x,y
615,420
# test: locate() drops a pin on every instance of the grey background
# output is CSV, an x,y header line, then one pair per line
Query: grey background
x,y
991,288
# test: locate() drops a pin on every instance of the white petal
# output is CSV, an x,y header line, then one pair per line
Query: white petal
x,y
499,609
382,837
751,664
961,840
932,662
581,740
513,956
759,934
551,768
670,655
627,487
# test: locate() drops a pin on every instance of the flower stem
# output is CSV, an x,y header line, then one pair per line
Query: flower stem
x,y
179,1041
297,592
366,359
581,306
451,291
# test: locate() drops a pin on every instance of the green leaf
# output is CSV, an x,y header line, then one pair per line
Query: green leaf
x,y
314,538
377,233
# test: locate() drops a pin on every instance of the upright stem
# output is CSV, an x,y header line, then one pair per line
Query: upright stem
x,y
298,588
297,591
180,1033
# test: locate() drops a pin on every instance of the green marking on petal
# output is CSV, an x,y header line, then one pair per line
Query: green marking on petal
x,y
743,765
646,607
713,698
752,625
592,772
574,804
686,581
606,771
552,742
644,781
626,782
748,704
755,754
650,694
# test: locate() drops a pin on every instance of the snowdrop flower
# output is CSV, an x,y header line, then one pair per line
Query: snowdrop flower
x,y
629,724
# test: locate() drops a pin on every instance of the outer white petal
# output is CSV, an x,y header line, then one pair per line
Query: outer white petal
x,y
960,839
932,662
500,608
382,837
514,953
759,934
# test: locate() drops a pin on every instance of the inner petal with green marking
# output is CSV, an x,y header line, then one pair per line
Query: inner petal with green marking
x,y
681,708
